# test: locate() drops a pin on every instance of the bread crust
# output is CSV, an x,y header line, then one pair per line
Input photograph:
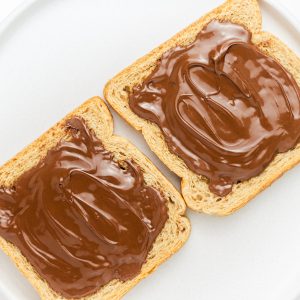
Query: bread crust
x,y
195,187
98,118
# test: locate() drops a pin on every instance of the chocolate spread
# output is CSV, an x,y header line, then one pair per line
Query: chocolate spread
x,y
80,218
225,108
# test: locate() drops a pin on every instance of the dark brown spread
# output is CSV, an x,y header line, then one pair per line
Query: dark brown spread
x,y
80,218
223,106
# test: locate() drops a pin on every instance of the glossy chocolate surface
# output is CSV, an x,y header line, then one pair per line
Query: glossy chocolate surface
x,y
80,218
223,106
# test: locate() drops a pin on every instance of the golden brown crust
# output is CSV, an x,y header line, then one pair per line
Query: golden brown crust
x,y
99,119
194,187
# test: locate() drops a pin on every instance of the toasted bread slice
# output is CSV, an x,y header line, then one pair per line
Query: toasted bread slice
x,y
98,118
194,187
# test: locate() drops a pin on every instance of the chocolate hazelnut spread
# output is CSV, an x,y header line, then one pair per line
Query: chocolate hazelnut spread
x,y
225,108
80,218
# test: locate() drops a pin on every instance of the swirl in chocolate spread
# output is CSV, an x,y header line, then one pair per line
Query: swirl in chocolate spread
x,y
80,218
223,106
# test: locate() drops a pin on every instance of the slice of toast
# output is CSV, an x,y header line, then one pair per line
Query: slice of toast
x,y
194,187
98,118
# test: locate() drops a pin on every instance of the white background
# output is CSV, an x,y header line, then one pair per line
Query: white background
x,y
59,54
6,6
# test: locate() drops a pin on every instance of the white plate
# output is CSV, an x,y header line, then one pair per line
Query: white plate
x,y
56,53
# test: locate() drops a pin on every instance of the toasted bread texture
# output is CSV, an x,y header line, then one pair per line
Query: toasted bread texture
x,y
194,187
98,118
